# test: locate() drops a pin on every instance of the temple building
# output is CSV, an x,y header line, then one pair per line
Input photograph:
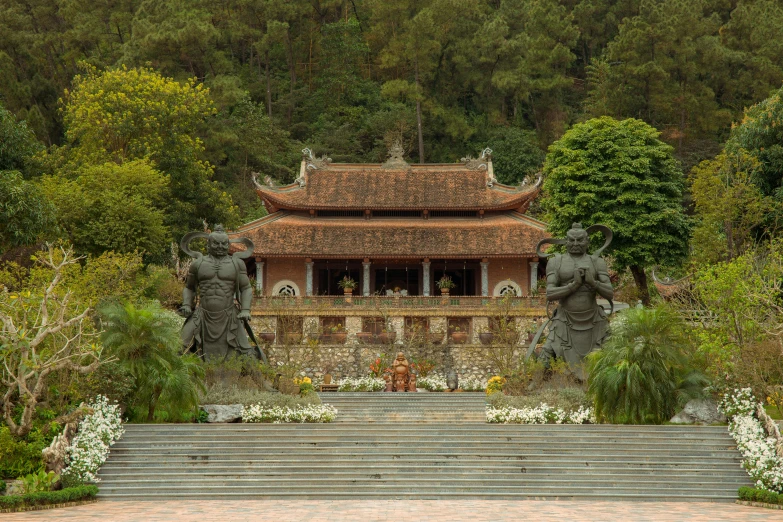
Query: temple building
x,y
396,229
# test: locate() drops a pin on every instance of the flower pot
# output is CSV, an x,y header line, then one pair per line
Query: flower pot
x,y
364,337
328,378
459,337
267,337
387,337
348,292
293,338
444,291
339,337
435,338
325,338
486,337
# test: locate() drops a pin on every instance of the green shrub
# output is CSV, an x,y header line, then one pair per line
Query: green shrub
x,y
2,487
233,394
41,481
760,495
48,497
21,457
643,373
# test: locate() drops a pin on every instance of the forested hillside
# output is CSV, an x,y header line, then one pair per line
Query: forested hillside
x,y
346,77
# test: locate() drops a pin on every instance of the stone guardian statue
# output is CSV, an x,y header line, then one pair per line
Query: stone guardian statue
x,y
574,279
217,327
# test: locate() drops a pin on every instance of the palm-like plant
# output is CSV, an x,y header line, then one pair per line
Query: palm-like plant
x,y
643,371
146,341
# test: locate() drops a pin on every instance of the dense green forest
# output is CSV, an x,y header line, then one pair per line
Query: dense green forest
x,y
256,80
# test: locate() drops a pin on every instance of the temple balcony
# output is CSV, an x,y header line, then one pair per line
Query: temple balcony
x,y
451,305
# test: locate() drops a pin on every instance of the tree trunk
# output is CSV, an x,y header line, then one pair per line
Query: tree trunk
x,y
268,86
151,407
292,70
640,278
418,113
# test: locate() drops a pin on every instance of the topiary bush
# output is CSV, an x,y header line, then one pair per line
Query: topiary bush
x,y
759,495
48,497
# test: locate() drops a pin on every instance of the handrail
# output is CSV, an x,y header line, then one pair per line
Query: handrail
x,y
409,302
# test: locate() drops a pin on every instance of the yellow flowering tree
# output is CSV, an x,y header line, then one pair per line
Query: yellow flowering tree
x,y
127,114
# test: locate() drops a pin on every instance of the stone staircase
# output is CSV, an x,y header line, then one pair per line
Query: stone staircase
x,y
408,407
422,446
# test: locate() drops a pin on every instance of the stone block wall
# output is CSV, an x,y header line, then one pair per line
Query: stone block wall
x,y
353,359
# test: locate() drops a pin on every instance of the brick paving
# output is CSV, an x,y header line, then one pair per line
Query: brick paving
x,y
408,510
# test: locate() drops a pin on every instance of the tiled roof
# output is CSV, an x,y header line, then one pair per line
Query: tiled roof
x,y
434,186
283,234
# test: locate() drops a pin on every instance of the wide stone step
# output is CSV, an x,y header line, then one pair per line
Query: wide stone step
x,y
574,463
418,489
438,448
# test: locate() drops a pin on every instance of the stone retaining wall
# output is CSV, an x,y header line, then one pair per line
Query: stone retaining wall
x,y
353,360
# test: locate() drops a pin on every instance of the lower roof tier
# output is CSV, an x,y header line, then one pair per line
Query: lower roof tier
x,y
282,234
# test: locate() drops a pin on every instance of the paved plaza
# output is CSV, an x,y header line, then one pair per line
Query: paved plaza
x,y
408,510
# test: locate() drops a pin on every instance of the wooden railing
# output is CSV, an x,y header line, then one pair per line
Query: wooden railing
x,y
406,302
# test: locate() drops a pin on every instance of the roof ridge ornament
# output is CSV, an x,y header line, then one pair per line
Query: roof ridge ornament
x,y
537,184
314,163
480,163
396,157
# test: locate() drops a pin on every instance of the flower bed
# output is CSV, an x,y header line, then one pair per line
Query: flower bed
x,y
361,384
760,453
277,414
90,447
433,383
473,384
542,414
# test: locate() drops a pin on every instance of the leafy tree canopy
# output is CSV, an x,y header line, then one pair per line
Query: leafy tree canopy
x,y
619,173
25,214
131,114
113,207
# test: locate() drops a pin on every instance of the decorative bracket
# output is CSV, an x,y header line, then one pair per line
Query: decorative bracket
x,y
396,157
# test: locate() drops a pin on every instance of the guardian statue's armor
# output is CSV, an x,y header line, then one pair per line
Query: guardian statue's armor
x,y
578,325
215,328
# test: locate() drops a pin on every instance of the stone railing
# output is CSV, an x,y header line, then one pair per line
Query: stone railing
x,y
396,302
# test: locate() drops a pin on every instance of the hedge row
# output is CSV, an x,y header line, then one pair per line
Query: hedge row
x,y
48,497
760,495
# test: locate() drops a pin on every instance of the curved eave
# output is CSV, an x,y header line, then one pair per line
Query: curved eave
x,y
275,199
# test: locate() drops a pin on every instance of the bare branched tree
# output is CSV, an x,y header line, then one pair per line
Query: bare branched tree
x,y
42,333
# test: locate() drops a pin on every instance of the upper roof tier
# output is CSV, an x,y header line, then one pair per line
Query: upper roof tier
x,y
282,234
469,185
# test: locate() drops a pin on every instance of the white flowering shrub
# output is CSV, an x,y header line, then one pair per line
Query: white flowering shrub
x,y
361,384
278,414
90,447
473,384
542,414
434,383
760,458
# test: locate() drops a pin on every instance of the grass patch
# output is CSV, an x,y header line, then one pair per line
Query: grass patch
x,y
568,399
234,394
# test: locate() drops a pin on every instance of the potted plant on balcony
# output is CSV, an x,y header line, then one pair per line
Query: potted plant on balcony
x,y
266,333
339,334
435,335
364,337
486,336
388,335
459,336
347,284
445,284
